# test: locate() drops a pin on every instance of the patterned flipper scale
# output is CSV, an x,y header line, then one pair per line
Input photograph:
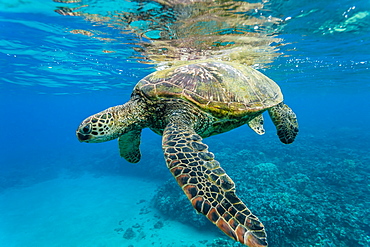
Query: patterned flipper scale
x,y
285,122
207,186
256,124
129,146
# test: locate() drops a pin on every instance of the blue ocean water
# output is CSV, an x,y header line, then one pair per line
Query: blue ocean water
x,y
314,192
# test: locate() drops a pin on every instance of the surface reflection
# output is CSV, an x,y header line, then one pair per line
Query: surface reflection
x,y
173,31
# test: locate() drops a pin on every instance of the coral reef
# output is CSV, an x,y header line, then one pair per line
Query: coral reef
x,y
306,194
171,201
129,233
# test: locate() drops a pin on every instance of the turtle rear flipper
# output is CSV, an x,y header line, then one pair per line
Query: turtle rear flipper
x,y
209,189
285,121
256,124
129,146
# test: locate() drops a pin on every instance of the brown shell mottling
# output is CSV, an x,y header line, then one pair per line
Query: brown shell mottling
x,y
220,88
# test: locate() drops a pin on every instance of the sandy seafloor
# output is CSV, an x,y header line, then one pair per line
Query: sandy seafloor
x,y
90,211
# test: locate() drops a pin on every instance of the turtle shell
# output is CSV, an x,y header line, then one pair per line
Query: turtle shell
x,y
220,88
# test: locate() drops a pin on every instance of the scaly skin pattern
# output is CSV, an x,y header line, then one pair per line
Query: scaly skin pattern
x,y
209,189
186,104
285,122
129,144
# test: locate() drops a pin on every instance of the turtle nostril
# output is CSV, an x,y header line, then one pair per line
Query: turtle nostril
x,y
86,129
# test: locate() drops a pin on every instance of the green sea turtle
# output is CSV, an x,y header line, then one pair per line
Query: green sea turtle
x,y
185,104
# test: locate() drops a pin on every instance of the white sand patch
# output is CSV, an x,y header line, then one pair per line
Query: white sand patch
x,y
90,211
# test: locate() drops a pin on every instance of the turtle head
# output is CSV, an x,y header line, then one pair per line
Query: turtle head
x,y
113,122
100,127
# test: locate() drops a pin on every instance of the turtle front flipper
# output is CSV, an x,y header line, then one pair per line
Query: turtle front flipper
x,y
129,146
285,121
209,189
256,124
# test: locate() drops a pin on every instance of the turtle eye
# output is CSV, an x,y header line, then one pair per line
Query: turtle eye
x,y
86,129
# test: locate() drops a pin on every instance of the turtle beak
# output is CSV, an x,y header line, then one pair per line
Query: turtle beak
x,y
82,137
83,132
